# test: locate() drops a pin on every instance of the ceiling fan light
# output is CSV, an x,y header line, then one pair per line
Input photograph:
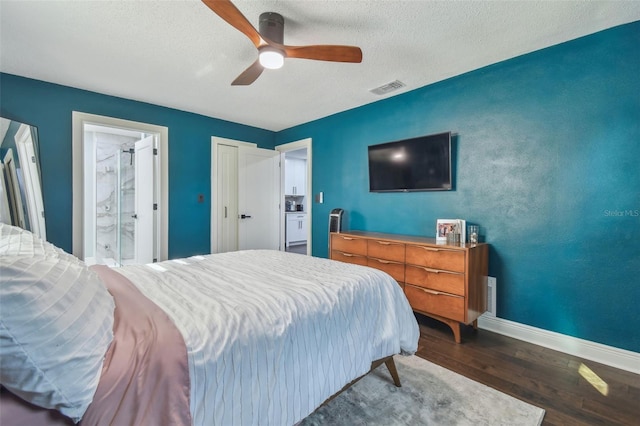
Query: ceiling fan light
x,y
271,59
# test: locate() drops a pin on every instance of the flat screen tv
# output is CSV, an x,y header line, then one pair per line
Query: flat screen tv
x,y
417,164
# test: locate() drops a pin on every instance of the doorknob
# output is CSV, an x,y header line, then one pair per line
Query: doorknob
x,y
244,216
135,216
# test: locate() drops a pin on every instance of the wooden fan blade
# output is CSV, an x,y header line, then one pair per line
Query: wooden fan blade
x,y
227,11
249,75
323,52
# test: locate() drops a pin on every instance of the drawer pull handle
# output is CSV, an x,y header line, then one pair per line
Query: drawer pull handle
x,y
346,238
440,293
384,243
386,262
347,254
438,271
436,249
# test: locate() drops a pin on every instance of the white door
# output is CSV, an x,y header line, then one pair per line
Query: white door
x,y
144,200
227,201
258,198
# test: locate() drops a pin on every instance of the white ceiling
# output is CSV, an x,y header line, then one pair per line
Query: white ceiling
x,y
181,55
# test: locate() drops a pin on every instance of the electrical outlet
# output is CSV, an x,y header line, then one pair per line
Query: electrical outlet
x,y
492,288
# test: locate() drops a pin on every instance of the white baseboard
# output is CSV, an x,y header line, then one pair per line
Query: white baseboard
x,y
608,355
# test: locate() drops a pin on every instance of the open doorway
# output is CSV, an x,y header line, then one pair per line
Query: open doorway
x,y
120,200
296,197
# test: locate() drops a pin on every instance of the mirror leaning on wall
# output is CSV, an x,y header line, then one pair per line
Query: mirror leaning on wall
x,y
21,201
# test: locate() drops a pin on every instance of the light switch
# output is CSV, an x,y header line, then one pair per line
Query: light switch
x,y
320,197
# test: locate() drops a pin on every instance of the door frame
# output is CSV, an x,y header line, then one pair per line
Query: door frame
x,y
293,146
79,119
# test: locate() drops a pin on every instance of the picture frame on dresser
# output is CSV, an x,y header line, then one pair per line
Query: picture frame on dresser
x,y
446,226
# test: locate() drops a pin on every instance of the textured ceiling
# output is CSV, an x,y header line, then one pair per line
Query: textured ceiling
x,y
181,55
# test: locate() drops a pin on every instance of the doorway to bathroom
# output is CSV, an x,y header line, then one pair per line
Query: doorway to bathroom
x,y
120,196
118,165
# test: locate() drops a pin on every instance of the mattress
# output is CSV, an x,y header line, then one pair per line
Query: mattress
x,y
271,335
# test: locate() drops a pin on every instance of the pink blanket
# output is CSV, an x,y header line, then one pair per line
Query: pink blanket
x,y
145,377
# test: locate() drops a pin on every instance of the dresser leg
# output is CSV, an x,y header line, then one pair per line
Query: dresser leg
x,y
453,325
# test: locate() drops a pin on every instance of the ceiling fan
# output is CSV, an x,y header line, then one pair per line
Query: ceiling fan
x,y
269,42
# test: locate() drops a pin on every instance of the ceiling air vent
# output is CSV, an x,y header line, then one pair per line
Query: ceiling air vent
x,y
389,87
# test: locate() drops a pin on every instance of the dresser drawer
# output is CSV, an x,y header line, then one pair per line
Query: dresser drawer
x,y
437,303
349,258
347,244
387,250
395,269
436,258
435,279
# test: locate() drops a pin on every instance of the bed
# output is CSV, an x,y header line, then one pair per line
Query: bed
x,y
243,338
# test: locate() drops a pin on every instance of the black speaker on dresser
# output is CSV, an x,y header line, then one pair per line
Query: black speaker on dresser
x,y
335,220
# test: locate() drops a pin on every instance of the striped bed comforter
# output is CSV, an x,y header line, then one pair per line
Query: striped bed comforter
x,y
271,335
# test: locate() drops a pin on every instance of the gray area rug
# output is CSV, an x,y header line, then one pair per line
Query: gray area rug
x,y
430,395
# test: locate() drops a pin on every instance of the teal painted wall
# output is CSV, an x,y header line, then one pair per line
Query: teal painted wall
x,y
49,107
548,151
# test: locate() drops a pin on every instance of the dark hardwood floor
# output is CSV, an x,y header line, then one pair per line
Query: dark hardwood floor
x,y
537,375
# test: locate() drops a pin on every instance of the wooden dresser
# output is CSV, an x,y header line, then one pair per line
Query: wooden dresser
x,y
445,282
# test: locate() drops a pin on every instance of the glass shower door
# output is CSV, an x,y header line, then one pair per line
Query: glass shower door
x,y
114,190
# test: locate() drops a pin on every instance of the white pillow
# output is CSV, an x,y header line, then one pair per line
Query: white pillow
x,y
56,323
